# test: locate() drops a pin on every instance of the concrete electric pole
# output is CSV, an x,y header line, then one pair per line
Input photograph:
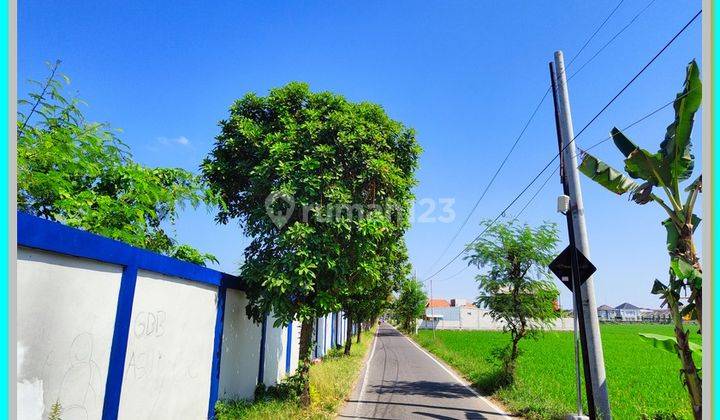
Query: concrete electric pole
x,y
589,309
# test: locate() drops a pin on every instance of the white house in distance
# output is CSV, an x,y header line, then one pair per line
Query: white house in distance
x,y
627,312
459,314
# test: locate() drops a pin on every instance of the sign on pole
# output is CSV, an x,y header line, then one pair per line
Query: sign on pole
x,y
561,266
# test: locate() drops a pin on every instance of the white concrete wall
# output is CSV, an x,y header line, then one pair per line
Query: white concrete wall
x,y
295,347
327,338
479,319
274,353
319,329
65,321
169,350
240,350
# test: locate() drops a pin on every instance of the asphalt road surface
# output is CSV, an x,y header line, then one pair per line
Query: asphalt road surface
x,y
402,381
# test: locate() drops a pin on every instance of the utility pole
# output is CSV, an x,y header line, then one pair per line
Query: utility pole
x,y
574,284
588,308
432,309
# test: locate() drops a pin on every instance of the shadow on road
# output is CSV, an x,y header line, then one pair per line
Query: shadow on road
x,y
470,413
388,332
425,388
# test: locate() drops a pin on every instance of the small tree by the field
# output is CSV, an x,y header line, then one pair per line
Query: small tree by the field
x,y
516,287
79,173
664,171
409,305
323,187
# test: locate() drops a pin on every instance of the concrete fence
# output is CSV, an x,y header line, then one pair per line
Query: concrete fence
x,y
115,332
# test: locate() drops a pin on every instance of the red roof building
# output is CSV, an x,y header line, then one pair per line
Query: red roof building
x,y
437,303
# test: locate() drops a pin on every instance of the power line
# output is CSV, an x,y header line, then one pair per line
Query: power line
x,y
623,29
597,115
596,32
517,140
597,143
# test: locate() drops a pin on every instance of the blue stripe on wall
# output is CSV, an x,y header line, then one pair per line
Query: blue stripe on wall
x,y
261,363
332,331
217,351
288,353
118,349
317,334
34,232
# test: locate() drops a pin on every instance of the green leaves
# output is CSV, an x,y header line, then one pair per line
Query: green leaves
x,y
337,161
81,174
605,175
650,167
673,235
622,142
410,304
667,343
676,146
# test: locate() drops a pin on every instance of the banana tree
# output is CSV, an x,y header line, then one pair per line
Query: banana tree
x,y
661,175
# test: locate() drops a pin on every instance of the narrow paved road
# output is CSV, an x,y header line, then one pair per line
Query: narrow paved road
x,y
401,381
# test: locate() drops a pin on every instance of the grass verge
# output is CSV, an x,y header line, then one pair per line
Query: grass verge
x,y
330,383
643,381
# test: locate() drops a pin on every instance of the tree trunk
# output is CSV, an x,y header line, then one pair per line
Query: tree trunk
x,y
689,371
359,330
349,334
509,363
306,332
686,250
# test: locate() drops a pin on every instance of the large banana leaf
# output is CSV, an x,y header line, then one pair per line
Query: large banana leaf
x,y
605,175
676,146
667,343
623,143
673,235
650,167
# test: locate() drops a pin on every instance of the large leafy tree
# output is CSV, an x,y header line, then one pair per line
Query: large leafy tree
x,y
410,304
79,173
662,173
321,185
516,286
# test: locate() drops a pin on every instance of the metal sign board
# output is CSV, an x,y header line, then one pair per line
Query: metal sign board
x,y
561,266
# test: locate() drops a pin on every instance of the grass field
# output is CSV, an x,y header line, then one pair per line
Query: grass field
x,y
330,383
642,379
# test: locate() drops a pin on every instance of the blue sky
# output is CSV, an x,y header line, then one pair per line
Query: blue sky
x,y
465,75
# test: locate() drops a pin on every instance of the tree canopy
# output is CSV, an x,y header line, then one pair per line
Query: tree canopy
x,y
662,174
81,174
516,286
410,304
322,185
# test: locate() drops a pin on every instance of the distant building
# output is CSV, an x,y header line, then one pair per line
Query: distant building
x,y
627,312
606,313
437,303
458,314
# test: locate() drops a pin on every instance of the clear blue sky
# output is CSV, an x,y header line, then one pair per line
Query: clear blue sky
x,y
465,75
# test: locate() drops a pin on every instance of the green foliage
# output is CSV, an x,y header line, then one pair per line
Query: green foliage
x,y
410,305
665,170
305,155
55,411
668,343
323,187
289,389
516,288
79,173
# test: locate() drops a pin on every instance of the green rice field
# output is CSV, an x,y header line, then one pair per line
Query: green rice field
x,y
644,381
